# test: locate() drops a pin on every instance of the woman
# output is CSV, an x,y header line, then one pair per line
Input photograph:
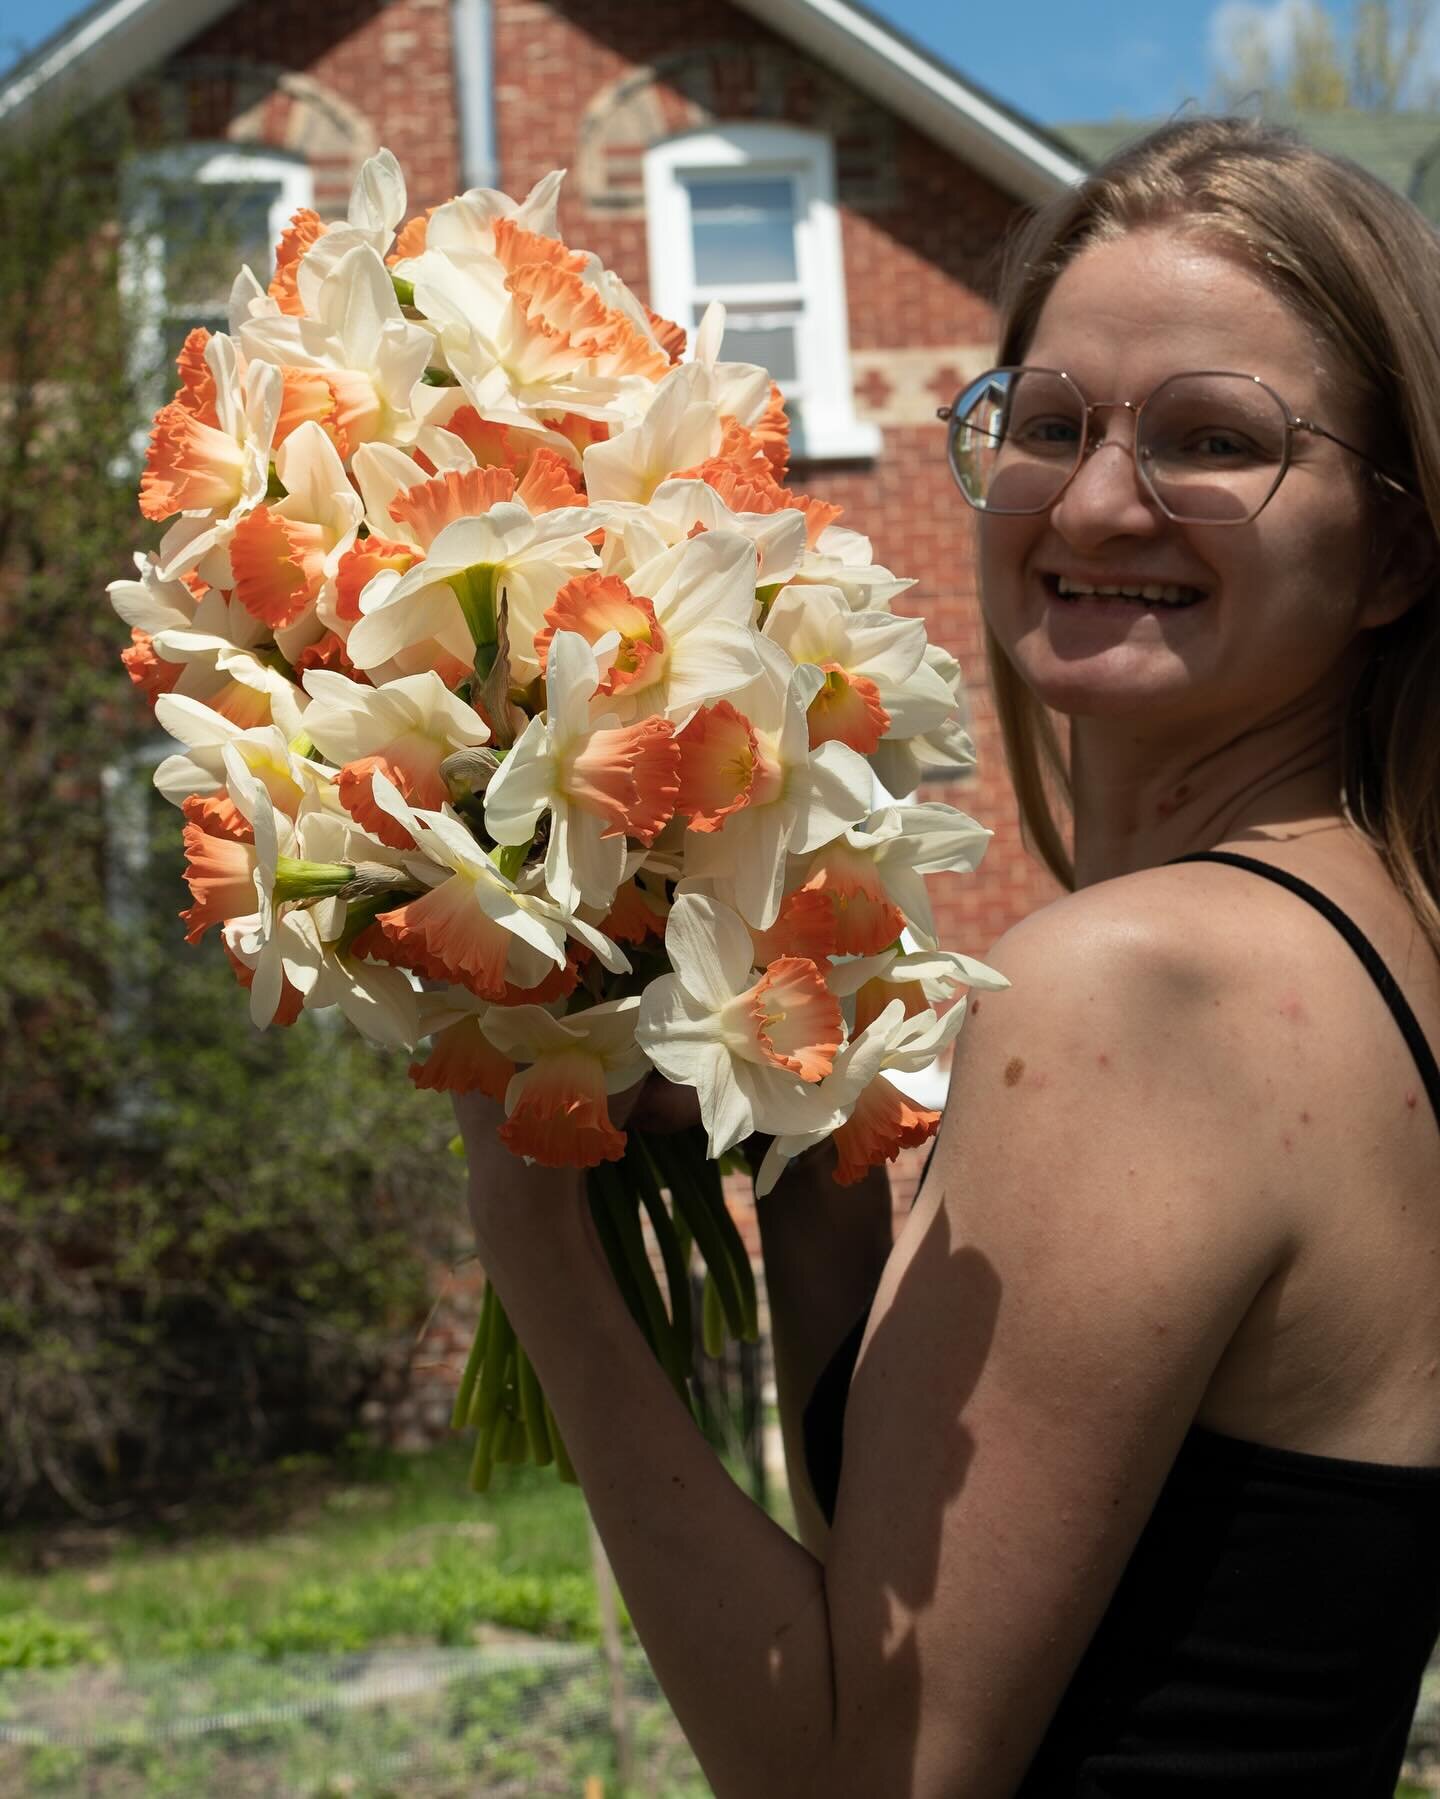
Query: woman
x,y
1141,1477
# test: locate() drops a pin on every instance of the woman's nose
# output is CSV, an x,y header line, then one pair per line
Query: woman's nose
x,y
1106,497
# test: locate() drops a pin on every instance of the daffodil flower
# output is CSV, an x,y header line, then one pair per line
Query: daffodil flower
x,y
873,873
599,780
787,798
356,337
683,621
556,1108
452,596
474,926
877,682
754,1049
877,1120
406,729
211,474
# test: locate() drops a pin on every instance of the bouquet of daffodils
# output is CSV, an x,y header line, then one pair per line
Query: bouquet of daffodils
x,y
523,710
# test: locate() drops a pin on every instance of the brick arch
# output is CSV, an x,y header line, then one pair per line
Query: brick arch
x,y
725,82
227,99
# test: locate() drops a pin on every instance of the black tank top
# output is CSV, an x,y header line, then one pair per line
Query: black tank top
x,y
1268,1635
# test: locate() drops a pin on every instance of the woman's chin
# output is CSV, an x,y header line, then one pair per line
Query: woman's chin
x,y
1108,686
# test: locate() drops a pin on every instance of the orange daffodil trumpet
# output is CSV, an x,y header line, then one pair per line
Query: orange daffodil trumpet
x,y
492,637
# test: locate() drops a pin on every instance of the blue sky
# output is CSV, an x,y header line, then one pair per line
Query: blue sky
x,y
1057,60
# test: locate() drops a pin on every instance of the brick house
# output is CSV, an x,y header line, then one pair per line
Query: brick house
x,y
859,189
843,192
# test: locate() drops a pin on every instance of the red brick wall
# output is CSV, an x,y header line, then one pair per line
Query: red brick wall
x,y
388,62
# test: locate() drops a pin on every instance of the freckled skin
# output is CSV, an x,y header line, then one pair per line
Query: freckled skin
x,y
1304,1118
1014,1069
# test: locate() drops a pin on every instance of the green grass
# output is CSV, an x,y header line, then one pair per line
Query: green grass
x,y
248,1615
388,1550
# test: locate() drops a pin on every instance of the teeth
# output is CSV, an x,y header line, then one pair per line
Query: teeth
x,y
1152,592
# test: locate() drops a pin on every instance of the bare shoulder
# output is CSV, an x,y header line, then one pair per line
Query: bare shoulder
x,y
1176,932
1115,1080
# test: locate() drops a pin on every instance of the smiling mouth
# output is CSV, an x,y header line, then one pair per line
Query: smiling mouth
x,y
1154,596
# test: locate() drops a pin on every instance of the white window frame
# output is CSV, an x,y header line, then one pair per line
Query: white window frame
x,y
824,388
147,176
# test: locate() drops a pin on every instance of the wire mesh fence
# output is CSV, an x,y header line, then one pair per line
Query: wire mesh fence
x,y
512,1721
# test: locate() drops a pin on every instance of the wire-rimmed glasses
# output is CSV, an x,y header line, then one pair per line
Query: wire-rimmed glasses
x,y
1211,446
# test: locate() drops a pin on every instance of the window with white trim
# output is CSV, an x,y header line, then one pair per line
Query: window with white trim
x,y
746,214
193,214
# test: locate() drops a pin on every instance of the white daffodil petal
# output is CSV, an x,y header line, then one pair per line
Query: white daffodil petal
x,y
709,948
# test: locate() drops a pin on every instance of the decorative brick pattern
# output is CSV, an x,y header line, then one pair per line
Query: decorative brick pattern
x,y
903,386
728,80
332,82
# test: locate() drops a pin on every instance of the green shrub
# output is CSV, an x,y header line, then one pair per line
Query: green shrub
x,y
209,1234
30,1639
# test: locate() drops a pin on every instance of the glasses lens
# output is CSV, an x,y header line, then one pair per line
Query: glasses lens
x,y
1212,446
1015,439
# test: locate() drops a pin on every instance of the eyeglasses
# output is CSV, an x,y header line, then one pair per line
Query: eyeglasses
x,y
1210,447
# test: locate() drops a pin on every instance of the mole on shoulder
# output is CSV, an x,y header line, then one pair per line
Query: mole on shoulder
x,y
1014,1068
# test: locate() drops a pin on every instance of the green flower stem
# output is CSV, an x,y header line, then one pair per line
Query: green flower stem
x,y
615,1253
532,1410
404,290
509,858
299,880
474,587
625,1216
690,1148
482,1461
673,1254
498,1338
460,1412
691,1206
500,1438
563,1466
712,1192
712,1319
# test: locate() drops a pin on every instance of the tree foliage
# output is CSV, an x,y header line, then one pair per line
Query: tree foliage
x,y
1293,56
210,1236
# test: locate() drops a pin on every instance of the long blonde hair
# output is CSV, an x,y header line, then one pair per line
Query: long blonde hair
x,y
1361,267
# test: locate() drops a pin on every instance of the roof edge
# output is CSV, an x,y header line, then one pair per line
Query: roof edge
x,y
1020,156
100,51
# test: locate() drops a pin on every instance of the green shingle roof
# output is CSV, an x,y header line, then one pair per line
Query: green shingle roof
x,y
1402,148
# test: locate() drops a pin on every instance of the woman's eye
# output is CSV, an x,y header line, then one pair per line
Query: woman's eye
x,y
1046,433
1219,446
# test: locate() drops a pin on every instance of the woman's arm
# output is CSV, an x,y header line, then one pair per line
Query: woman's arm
x,y
825,1249
1091,1234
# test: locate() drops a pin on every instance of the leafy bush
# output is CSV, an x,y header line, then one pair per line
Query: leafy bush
x,y
209,1235
30,1639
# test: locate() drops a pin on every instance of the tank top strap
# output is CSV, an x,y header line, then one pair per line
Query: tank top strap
x,y
1369,956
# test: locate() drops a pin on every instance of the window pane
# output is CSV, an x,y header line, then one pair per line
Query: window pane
x,y
209,229
772,346
743,230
